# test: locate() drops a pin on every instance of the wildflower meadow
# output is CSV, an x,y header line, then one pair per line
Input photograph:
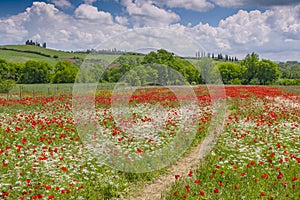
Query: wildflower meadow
x,y
255,156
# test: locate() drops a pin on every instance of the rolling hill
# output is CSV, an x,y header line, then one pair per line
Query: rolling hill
x,y
23,53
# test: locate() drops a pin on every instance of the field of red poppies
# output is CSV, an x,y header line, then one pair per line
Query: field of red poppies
x,y
257,155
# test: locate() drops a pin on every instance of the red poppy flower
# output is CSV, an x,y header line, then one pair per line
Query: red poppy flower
x,y
24,140
139,151
64,169
280,175
264,175
187,187
201,192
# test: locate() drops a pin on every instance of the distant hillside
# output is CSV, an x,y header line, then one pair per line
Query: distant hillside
x,y
22,53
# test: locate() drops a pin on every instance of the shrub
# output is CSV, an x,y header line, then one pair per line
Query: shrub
x,y
6,85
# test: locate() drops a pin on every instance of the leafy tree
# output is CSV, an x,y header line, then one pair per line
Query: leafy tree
x,y
142,75
4,69
251,65
254,81
207,70
150,58
128,60
162,73
15,70
35,72
267,72
6,76
64,72
95,72
6,85
290,69
259,72
132,78
113,74
167,59
152,75
10,70
231,73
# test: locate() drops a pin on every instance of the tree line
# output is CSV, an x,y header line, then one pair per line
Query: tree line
x,y
31,42
153,68
214,56
32,72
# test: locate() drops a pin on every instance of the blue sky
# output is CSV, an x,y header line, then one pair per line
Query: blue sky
x,y
235,27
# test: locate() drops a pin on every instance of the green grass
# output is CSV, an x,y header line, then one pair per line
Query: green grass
x,y
23,53
35,90
22,57
245,162
51,52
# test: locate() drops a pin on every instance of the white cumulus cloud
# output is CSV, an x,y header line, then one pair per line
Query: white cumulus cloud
x,y
121,20
62,3
268,33
198,5
229,3
249,3
88,12
44,22
146,13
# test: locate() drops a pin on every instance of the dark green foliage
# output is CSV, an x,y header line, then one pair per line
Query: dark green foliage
x,y
251,65
155,68
27,51
162,57
10,71
290,69
6,85
231,73
64,72
35,72
259,72
267,72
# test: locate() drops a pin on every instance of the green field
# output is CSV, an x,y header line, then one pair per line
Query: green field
x,y
46,90
23,53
